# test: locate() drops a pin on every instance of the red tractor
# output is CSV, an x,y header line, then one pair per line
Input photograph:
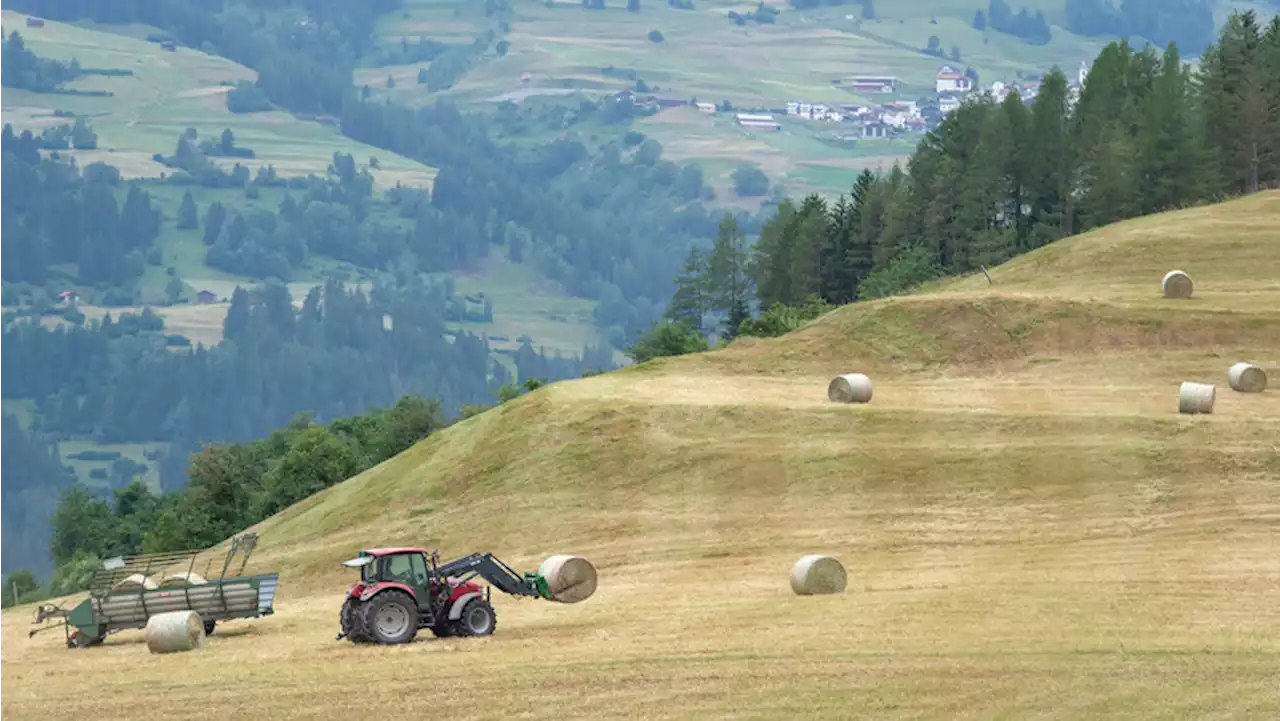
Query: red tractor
x,y
402,590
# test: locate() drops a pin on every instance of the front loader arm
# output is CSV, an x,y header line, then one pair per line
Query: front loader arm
x,y
497,573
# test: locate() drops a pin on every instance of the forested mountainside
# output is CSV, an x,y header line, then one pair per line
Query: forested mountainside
x,y
608,218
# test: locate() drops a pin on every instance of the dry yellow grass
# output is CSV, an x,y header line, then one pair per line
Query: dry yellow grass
x,y
1030,528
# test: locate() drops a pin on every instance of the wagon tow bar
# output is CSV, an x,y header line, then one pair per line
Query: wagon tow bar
x,y
47,611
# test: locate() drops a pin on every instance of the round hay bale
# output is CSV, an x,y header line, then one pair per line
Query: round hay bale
x,y
849,388
135,582
1195,398
186,578
175,631
570,579
818,574
1247,378
1177,284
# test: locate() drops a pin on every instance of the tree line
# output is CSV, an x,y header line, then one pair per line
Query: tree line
x,y
53,214
24,69
232,486
1187,23
996,179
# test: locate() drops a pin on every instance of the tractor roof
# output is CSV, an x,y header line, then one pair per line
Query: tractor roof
x,y
392,550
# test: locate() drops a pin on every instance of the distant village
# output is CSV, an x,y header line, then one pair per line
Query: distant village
x,y
876,120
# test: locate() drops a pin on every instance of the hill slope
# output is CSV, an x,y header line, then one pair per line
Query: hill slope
x,y
168,93
1030,527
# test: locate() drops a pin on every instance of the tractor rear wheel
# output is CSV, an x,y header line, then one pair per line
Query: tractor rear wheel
x,y
477,619
352,626
390,617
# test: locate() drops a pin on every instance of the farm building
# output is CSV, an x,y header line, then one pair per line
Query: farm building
x,y
668,101
873,83
35,22
875,130
757,121
206,296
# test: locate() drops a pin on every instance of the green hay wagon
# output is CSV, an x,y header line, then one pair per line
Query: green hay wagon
x,y
126,592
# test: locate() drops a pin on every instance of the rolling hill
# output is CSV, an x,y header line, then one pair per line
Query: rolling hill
x,y
167,93
1031,528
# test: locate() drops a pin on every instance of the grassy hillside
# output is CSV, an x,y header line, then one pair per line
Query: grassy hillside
x,y
1030,527
168,93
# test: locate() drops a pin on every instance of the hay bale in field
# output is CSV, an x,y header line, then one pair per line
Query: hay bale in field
x,y
135,582
1196,397
1177,284
175,631
1247,378
818,574
186,578
849,388
570,579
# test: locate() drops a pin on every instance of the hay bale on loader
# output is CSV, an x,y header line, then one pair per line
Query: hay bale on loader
x,y
1247,378
174,632
817,575
570,579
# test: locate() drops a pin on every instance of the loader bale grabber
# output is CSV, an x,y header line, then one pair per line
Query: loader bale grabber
x,y
125,593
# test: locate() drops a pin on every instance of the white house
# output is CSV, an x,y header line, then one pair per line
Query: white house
x,y
950,80
813,111
947,103
707,107
910,107
895,119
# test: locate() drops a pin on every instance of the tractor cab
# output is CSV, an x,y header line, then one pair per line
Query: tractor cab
x,y
407,567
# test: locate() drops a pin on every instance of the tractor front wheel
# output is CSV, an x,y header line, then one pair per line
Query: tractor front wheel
x,y
443,627
390,617
477,619
352,626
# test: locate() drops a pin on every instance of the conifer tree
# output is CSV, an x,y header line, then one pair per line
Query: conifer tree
x,y
691,301
188,217
730,285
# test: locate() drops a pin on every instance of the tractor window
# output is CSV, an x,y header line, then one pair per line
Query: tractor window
x,y
369,572
400,568
419,570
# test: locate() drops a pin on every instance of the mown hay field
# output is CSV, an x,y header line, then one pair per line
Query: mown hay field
x,y
1030,528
